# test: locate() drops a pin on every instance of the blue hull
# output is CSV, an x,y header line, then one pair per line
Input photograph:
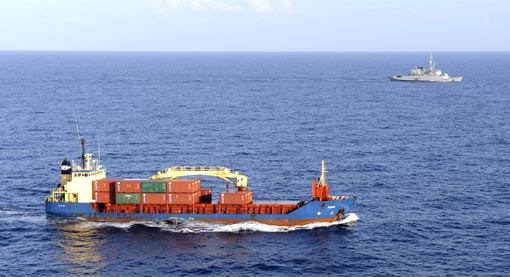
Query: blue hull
x,y
311,212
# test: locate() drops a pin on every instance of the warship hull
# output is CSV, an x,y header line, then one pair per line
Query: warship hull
x,y
440,79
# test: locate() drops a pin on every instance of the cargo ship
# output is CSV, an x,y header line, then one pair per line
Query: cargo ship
x,y
85,192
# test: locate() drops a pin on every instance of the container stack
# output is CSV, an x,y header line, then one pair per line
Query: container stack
x,y
236,197
128,191
183,191
154,192
103,190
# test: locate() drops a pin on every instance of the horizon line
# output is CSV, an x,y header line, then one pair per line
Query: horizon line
x,y
264,51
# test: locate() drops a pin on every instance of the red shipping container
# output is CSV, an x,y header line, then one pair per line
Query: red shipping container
x,y
183,198
104,185
154,198
205,196
104,197
128,186
183,185
205,192
237,197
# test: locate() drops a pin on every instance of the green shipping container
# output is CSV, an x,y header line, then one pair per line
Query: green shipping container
x,y
127,198
157,187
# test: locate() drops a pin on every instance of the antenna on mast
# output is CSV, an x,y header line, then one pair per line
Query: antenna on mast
x,y
76,123
98,152
82,141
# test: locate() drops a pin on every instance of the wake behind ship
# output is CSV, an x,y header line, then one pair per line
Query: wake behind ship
x,y
85,192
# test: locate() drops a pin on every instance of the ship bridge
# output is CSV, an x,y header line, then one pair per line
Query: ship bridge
x,y
76,179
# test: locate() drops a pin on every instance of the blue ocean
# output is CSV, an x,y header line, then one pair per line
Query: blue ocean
x,y
429,162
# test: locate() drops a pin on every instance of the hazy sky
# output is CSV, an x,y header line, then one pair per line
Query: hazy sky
x,y
255,25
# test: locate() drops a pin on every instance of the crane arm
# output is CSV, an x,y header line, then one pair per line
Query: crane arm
x,y
224,173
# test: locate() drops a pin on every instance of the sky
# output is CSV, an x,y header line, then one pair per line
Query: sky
x,y
255,25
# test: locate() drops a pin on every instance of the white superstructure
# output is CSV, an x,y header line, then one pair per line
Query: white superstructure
x,y
76,179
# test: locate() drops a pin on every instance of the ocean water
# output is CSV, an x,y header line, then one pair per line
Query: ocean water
x,y
429,162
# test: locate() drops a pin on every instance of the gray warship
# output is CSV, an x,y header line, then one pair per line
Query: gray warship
x,y
431,74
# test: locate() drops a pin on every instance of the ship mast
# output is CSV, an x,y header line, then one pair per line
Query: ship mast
x,y
320,190
82,141
431,62
322,181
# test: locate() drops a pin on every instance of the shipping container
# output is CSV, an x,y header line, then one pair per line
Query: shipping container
x,y
183,198
205,196
104,197
154,186
128,186
183,185
154,198
104,185
127,198
236,197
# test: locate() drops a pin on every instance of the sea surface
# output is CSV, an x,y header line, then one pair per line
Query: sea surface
x,y
429,162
